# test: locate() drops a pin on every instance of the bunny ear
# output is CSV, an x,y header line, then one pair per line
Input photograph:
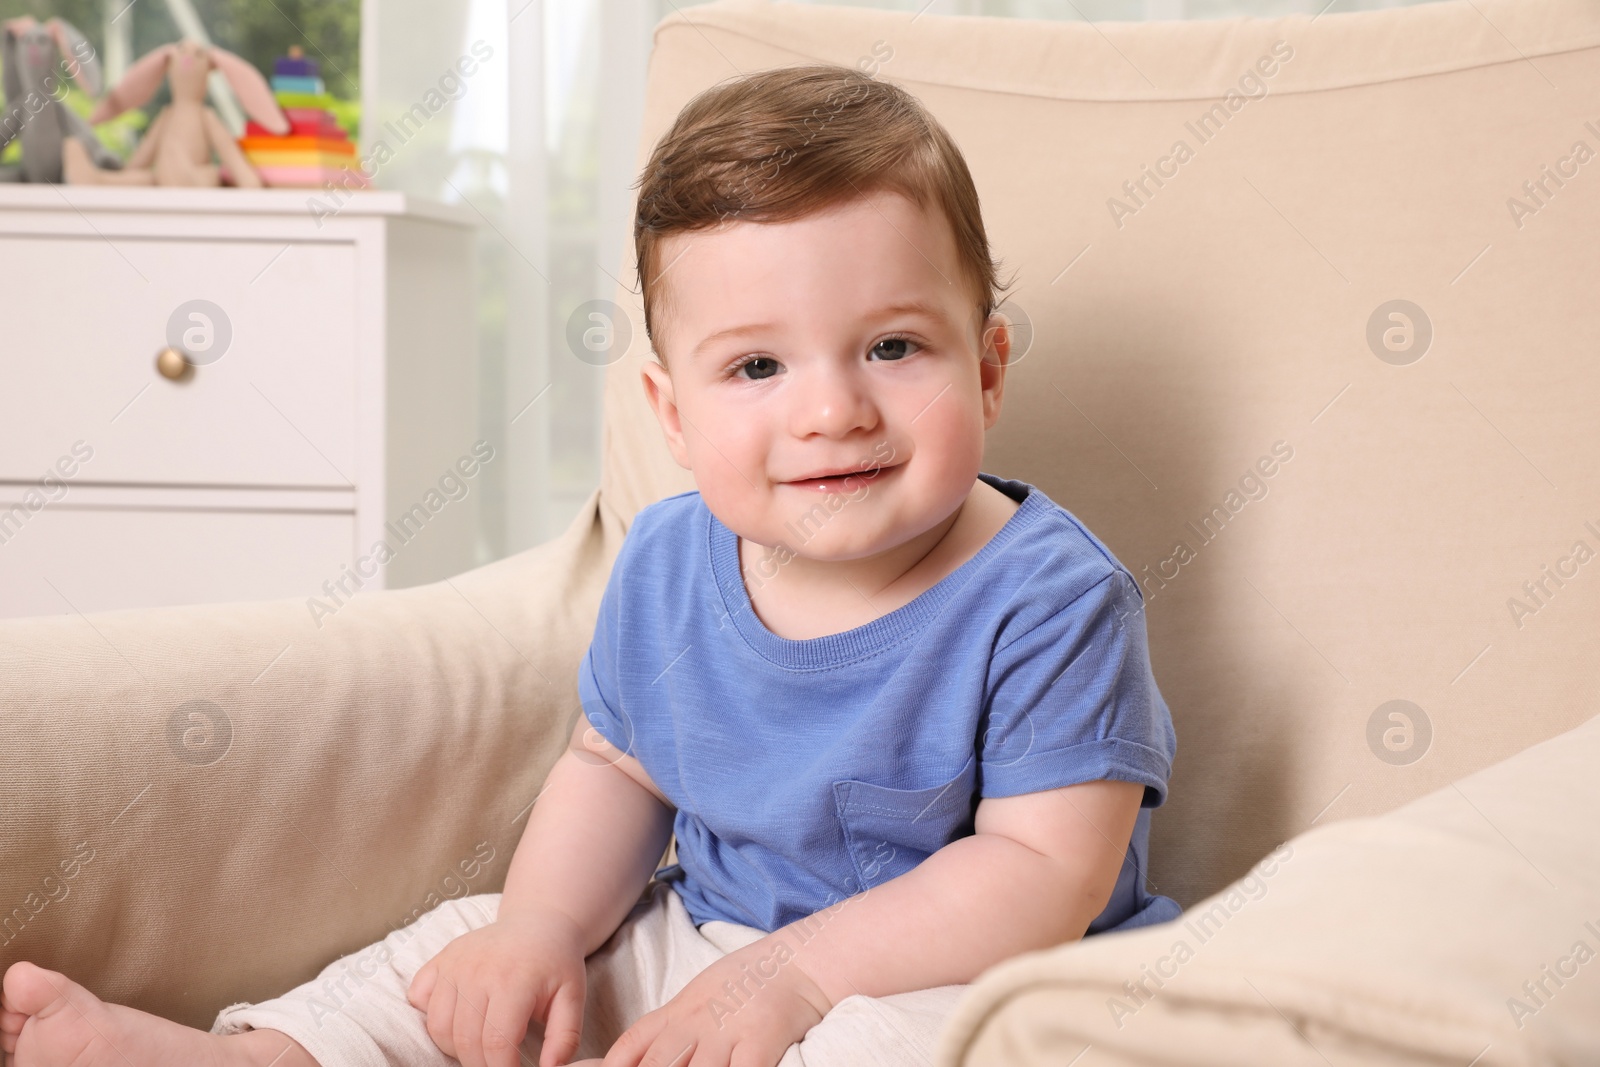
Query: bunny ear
x,y
77,55
254,94
20,25
138,85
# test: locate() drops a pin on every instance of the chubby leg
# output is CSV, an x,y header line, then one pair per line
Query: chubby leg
x,y
48,1020
356,1013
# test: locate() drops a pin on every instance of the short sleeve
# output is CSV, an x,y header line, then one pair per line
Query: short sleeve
x,y
1074,700
598,683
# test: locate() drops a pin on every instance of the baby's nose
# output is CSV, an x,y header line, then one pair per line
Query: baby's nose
x,y
834,403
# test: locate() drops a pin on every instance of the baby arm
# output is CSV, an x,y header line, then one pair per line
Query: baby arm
x,y
1036,872
594,836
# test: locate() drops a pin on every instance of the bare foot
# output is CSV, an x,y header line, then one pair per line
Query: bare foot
x,y
48,1020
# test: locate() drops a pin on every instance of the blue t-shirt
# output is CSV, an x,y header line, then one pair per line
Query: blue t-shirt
x,y
806,771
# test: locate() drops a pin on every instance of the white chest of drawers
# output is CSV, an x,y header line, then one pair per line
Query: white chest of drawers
x,y
326,401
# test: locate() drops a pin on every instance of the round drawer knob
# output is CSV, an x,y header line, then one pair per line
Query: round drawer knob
x,y
172,363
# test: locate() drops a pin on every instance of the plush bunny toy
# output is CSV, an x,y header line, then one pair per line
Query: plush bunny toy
x,y
178,147
37,56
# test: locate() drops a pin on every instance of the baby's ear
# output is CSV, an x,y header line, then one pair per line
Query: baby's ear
x,y
992,368
991,328
658,392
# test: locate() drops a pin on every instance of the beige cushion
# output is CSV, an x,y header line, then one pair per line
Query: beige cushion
x,y
1230,312
209,804
1405,938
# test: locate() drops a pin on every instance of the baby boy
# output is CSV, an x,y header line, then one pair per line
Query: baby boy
x,y
896,713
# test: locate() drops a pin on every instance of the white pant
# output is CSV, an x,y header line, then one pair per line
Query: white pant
x,y
355,1013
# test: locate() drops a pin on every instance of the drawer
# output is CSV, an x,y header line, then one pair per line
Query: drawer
x,y
105,560
89,314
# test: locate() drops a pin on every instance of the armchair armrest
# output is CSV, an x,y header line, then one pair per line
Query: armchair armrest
x,y
1457,923
208,804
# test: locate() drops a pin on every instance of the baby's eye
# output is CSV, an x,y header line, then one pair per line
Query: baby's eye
x,y
763,372
896,348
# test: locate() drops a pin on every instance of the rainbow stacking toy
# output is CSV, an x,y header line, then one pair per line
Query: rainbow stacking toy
x,y
316,151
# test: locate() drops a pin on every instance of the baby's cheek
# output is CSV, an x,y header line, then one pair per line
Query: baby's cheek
x,y
952,424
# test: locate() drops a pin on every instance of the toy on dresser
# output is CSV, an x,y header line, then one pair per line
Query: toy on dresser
x,y
178,147
36,57
316,151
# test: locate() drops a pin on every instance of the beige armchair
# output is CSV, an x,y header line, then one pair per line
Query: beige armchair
x,y
1324,377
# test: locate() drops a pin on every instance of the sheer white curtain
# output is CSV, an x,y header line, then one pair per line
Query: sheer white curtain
x,y
539,142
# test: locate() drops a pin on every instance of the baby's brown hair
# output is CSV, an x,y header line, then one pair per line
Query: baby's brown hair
x,y
777,145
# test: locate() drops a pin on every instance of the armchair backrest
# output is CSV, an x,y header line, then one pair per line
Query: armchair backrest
x,y
1313,349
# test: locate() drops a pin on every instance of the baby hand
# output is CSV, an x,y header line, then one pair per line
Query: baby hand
x,y
755,999
481,990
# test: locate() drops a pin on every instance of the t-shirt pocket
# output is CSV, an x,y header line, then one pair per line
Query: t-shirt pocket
x,y
889,831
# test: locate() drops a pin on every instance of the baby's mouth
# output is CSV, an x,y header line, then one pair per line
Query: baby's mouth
x,y
872,474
